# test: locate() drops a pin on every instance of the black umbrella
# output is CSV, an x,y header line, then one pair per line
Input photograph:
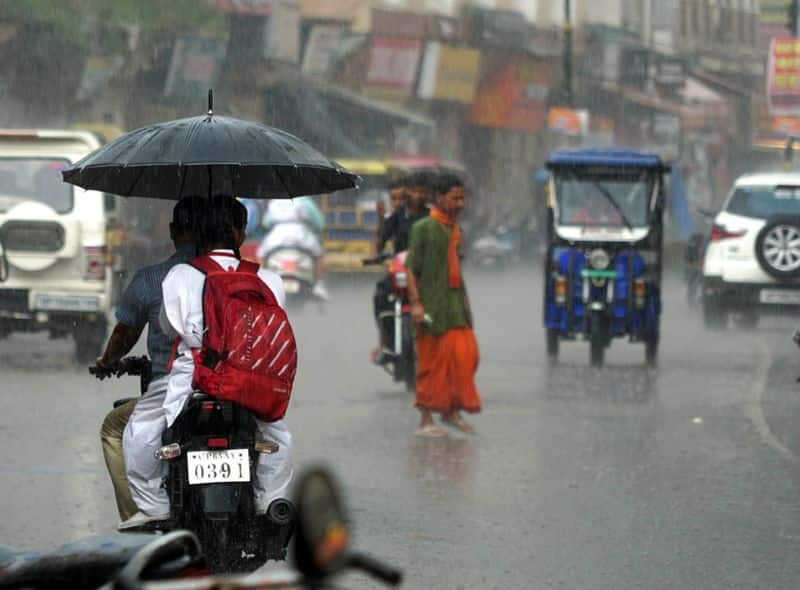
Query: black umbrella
x,y
208,155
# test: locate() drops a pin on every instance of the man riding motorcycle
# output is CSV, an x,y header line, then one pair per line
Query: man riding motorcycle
x,y
410,198
183,318
296,223
139,307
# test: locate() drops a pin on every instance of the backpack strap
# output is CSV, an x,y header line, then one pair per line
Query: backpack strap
x,y
205,264
248,266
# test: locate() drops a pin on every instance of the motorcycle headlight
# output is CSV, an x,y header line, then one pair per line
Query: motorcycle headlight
x,y
401,280
599,259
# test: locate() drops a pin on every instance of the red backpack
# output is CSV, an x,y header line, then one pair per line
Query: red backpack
x,y
249,354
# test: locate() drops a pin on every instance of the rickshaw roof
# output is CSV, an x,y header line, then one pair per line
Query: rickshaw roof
x,y
607,157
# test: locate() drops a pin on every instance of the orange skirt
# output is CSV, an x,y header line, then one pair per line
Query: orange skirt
x,y
446,366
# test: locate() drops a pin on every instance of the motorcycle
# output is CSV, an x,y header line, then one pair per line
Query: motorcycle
x,y
296,268
400,358
212,451
496,249
175,560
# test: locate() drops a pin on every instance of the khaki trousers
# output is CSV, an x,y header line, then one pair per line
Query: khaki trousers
x,y
111,437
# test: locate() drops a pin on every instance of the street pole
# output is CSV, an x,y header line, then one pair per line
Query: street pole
x,y
567,54
794,13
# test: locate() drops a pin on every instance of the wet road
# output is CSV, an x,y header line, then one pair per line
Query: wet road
x,y
680,477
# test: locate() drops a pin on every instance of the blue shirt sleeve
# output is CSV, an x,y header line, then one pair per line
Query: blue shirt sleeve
x,y
132,308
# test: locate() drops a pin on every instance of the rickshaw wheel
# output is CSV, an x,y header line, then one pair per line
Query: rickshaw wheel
x,y
597,352
651,350
552,344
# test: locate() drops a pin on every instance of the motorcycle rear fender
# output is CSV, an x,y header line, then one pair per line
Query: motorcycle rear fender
x,y
220,499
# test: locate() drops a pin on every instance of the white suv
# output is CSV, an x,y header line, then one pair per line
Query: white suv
x,y
752,259
54,271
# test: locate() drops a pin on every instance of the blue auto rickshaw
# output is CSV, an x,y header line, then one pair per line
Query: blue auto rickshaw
x,y
604,249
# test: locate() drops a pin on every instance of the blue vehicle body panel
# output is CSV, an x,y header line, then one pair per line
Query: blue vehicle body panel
x,y
625,319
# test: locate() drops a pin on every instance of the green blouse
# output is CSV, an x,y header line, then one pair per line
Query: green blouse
x,y
427,259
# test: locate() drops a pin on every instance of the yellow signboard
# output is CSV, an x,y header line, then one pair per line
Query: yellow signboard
x,y
449,73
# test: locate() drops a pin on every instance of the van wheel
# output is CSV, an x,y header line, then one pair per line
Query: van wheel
x,y
90,336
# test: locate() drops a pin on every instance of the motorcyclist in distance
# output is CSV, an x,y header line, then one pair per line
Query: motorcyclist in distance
x,y
296,223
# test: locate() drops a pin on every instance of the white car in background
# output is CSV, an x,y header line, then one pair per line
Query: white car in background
x,y
752,259
54,268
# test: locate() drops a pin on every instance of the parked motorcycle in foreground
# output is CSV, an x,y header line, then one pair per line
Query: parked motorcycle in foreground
x,y
175,561
212,451
399,358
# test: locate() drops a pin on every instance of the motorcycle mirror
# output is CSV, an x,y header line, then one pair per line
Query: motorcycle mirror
x,y
322,536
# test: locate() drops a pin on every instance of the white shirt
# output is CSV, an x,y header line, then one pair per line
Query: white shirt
x,y
182,317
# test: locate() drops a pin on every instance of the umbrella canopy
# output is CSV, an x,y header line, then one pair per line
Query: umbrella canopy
x,y
208,155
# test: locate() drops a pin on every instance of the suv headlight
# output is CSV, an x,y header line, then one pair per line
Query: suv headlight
x,y
599,259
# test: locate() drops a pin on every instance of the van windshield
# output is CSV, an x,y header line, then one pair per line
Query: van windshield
x,y
34,179
762,202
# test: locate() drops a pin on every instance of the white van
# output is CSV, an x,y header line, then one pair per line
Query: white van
x,y
55,241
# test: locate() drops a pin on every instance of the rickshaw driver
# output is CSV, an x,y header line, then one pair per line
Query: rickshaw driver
x,y
591,207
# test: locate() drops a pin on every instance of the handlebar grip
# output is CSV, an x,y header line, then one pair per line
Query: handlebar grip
x,y
378,570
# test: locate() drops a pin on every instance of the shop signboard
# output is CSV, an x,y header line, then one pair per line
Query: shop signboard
x,y
670,72
449,73
392,67
573,122
96,74
195,65
282,33
515,97
783,76
321,48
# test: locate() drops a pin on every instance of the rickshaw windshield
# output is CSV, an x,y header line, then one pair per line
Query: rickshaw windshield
x,y
606,198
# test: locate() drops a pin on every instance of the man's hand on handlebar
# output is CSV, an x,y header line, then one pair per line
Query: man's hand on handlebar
x,y
131,365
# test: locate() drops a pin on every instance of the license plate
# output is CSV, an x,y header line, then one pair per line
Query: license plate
x,y
66,302
227,466
291,285
779,297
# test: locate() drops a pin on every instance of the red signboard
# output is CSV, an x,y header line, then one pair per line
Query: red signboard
x,y
393,62
513,98
783,76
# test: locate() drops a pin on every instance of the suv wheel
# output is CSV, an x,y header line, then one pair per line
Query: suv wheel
x,y
778,247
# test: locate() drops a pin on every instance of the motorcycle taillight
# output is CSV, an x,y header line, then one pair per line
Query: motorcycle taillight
x,y
217,443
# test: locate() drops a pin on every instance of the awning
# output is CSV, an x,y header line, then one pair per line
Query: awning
x,y
693,116
341,122
338,93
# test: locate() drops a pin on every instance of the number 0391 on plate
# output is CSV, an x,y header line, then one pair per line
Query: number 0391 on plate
x,y
230,465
